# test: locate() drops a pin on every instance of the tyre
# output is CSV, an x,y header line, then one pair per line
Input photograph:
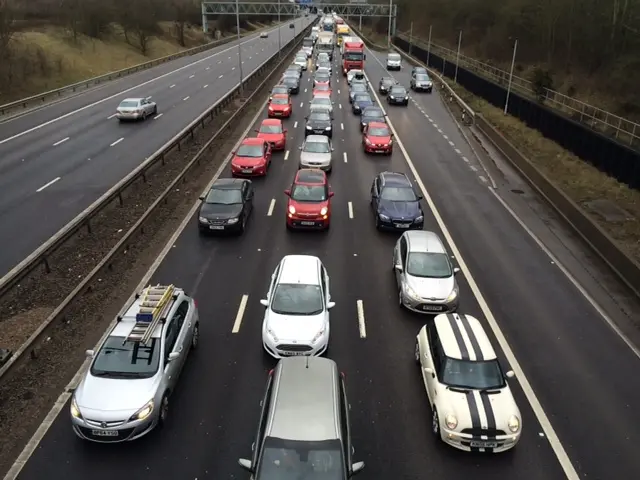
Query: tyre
x,y
164,411
417,353
195,340
435,424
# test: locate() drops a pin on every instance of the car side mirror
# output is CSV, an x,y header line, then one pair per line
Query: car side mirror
x,y
299,148
510,374
331,194
256,130
233,152
202,197
330,305
245,464
333,149
399,268
420,197
90,353
264,302
456,270
357,467
287,192
284,131
430,372
173,356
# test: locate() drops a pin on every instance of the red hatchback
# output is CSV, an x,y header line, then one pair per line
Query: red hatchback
x,y
377,138
280,106
273,132
252,159
309,205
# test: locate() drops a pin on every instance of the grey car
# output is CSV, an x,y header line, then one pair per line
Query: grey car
x,y
357,88
424,274
398,95
316,152
421,83
293,83
136,109
125,392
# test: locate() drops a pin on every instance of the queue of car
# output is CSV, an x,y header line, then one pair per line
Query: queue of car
x,y
472,406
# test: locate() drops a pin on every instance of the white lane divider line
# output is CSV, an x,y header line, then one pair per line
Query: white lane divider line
x,y
473,168
345,157
221,76
272,205
483,178
338,91
465,159
342,126
209,68
185,98
158,116
206,86
451,143
361,323
230,57
233,68
241,310
340,105
435,125
301,104
111,116
439,131
458,151
305,90
48,184
445,137
60,142
286,155
350,205
117,142
192,76
172,85
295,125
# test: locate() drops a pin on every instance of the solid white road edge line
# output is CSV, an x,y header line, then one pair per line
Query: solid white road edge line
x,y
536,406
240,315
47,184
91,105
361,323
64,397
117,142
286,155
272,205
570,277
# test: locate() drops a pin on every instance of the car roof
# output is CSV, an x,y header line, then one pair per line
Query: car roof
x,y
322,94
305,404
228,183
395,179
424,241
272,121
253,141
136,99
463,337
317,139
280,85
388,79
128,321
280,95
310,176
398,87
378,125
371,109
300,269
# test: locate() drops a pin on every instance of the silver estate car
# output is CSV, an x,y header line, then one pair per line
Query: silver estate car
x,y
424,274
125,393
136,109
316,152
304,430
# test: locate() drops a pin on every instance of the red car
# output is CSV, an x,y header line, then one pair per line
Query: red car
x,y
309,205
252,159
280,106
377,138
321,88
273,132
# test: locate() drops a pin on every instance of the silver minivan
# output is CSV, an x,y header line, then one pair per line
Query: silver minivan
x,y
288,444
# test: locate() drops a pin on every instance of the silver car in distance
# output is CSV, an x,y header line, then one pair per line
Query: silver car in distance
x,y
125,393
316,152
424,275
136,109
296,320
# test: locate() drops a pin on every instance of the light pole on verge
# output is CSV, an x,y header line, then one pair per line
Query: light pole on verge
x,y
455,76
389,35
513,62
239,46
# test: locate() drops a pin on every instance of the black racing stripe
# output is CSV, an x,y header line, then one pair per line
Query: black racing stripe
x,y
473,411
464,353
472,337
488,410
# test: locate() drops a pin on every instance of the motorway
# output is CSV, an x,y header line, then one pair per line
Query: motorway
x,y
582,374
56,161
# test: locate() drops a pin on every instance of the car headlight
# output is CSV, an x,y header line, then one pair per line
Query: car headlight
x,y
272,334
75,411
514,424
292,209
419,219
367,141
452,296
318,336
203,220
144,412
410,292
384,218
309,127
392,97
231,221
451,421
406,98
429,84
328,128
324,210
271,109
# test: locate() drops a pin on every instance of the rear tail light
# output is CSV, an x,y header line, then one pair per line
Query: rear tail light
x,y
195,304
342,374
271,372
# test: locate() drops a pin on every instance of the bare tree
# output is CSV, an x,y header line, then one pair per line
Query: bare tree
x,y
8,19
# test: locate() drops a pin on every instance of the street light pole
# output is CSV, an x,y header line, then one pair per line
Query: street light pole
x,y
410,38
279,32
455,76
429,44
239,46
513,62
389,36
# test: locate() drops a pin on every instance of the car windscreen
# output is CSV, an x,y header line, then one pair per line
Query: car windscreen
x,y
388,81
379,132
224,196
316,147
291,73
323,57
393,57
362,98
429,265
472,374
297,299
319,117
397,91
307,42
398,194
309,193
301,58
250,151
129,104
301,460
358,88
270,129
290,80
119,358
279,101
421,77
353,56
321,101
372,113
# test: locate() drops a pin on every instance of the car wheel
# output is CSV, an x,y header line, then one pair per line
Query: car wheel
x,y
400,304
435,424
242,225
164,410
155,110
417,353
195,339
377,223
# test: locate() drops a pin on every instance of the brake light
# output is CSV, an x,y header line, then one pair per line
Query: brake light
x,y
343,375
195,304
271,372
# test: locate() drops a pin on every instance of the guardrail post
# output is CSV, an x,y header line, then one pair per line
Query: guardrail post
x,y
120,198
47,268
88,223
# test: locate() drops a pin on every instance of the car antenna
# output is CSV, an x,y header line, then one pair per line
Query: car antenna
x,y
307,361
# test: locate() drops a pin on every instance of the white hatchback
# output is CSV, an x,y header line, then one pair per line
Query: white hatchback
x,y
296,320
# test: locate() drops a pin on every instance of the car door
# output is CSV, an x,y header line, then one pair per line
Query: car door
x,y
265,405
171,369
402,261
433,359
185,329
345,425
248,204
375,194
365,132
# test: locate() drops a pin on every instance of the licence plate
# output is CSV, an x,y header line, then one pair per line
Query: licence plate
x,y
310,224
247,170
483,444
216,227
379,151
105,433
401,225
277,114
293,354
432,308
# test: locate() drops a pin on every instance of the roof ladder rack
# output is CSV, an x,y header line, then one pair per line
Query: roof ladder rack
x,y
154,307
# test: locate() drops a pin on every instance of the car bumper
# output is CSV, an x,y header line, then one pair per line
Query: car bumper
x,y
128,116
394,67
215,227
322,166
126,432
283,350
394,225
463,441
299,223
279,114
378,149
249,172
328,133
398,101
421,305
423,88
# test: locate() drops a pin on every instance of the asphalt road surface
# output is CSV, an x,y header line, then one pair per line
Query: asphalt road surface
x,y
58,160
582,374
